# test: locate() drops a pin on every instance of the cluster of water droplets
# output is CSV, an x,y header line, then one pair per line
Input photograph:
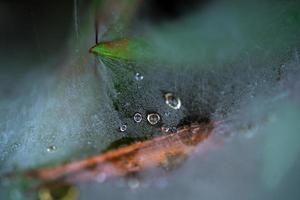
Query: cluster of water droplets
x,y
154,118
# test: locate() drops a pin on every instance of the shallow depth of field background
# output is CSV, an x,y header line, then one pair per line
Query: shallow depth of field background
x,y
54,106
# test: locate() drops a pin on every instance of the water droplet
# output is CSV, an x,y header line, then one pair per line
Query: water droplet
x,y
172,101
51,148
123,127
153,118
15,146
165,129
173,129
138,76
137,117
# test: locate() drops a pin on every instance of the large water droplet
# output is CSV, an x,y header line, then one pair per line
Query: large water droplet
x,y
172,101
123,127
138,76
51,148
153,118
137,117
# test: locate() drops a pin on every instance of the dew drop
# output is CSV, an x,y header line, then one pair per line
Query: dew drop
x,y
165,129
123,128
51,148
173,129
15,146
153,118
138,76
172,101
137,117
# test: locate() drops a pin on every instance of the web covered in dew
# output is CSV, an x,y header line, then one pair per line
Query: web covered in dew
x,y
84,113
